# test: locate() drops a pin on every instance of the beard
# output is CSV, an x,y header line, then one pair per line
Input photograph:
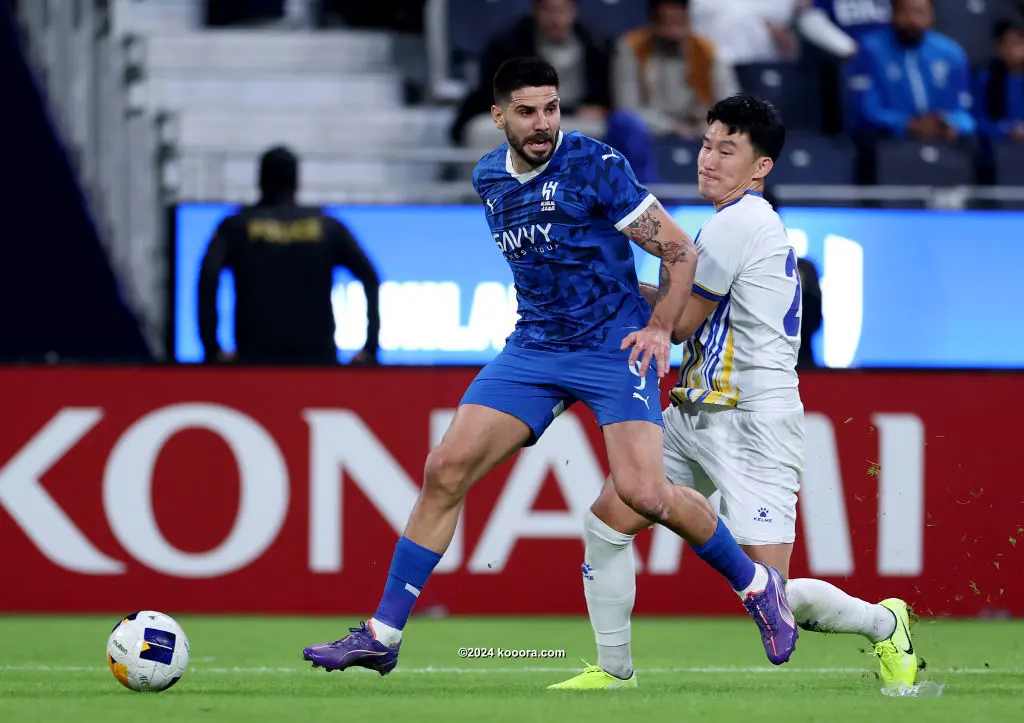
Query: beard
x,y
909,37
533,157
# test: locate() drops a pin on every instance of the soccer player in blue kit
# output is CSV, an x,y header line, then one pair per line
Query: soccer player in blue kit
x,y
562,209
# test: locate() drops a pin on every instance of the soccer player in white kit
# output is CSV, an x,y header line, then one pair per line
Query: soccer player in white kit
x,y
736,423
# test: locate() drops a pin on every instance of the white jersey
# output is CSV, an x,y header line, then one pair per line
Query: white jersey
x,y
744,355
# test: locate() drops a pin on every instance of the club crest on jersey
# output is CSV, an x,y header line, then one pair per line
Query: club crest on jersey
x,y
548,192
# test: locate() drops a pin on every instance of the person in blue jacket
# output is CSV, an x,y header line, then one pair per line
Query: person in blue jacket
x,y
911,81
999,92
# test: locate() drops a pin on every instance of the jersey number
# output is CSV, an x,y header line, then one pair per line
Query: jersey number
x,y
791,323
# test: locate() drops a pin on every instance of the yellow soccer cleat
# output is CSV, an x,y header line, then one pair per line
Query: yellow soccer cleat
x,y
896,655
595,678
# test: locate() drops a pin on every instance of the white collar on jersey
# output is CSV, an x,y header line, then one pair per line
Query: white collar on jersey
x,y
530,175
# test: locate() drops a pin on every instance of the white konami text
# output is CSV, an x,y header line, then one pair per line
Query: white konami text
x,y
344,452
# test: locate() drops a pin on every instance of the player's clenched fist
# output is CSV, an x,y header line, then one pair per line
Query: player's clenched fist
x,y
649,342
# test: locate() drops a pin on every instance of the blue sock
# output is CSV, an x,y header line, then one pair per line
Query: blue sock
x,y
724,554
410,568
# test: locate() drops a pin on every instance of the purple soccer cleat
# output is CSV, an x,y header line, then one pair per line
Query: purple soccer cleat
x,y
774,619
358,648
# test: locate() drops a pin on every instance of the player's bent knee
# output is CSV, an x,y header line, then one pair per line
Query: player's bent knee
x,y
447,473
649,501
611,510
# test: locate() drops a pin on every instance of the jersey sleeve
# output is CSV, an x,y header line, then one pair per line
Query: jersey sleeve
x,y
719,246
620,197
477,176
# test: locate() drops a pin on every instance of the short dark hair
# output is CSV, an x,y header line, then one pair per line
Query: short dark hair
x,y
657,5
896,3
519,73
1004,25
757,118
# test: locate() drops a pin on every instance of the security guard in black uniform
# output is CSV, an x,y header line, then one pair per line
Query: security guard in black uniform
x,y
283,257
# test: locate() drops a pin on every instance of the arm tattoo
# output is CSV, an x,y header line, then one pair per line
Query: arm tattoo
x,y
664,281
645,230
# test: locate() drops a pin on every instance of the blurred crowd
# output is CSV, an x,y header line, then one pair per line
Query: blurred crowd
x,y
880,69
864,69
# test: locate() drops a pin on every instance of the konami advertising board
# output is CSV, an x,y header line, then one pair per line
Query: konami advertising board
x,y
283,491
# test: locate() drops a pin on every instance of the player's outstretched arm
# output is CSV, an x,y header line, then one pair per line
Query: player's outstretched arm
x,y
697,310
657,233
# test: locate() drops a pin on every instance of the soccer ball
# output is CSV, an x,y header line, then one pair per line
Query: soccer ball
x,y
147,651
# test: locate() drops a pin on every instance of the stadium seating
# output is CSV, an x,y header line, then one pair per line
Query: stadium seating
x,y
1009,171
813,160
677,160
970,23
472,23
1009,164
336,97
922,163
219,97
794,89
609,19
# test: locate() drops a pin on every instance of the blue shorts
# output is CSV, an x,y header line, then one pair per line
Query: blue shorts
x,y
537,386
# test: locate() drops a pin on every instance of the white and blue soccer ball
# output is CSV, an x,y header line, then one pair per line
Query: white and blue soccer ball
x,y
147,651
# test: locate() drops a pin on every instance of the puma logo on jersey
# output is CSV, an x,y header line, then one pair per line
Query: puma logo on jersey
x,y
636,395
606,156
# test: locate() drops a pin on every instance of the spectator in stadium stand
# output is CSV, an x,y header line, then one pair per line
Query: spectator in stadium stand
x,y
999,96
282,256
664,78
833,29
911,81
552,32
748,31
853,18
669,75
810,293
758,31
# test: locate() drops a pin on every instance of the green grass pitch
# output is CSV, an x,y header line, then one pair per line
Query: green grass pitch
x,y
250,669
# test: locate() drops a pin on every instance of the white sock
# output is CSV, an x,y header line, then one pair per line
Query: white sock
x,y
385,633
759,583
609,584
824,608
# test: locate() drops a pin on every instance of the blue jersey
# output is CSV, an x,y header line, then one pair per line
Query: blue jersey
x,y
559,227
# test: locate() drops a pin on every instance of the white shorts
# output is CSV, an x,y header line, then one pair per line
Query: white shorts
x,y
753,459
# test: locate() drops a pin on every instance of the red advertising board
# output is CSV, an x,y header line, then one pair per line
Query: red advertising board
x,y
283,491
